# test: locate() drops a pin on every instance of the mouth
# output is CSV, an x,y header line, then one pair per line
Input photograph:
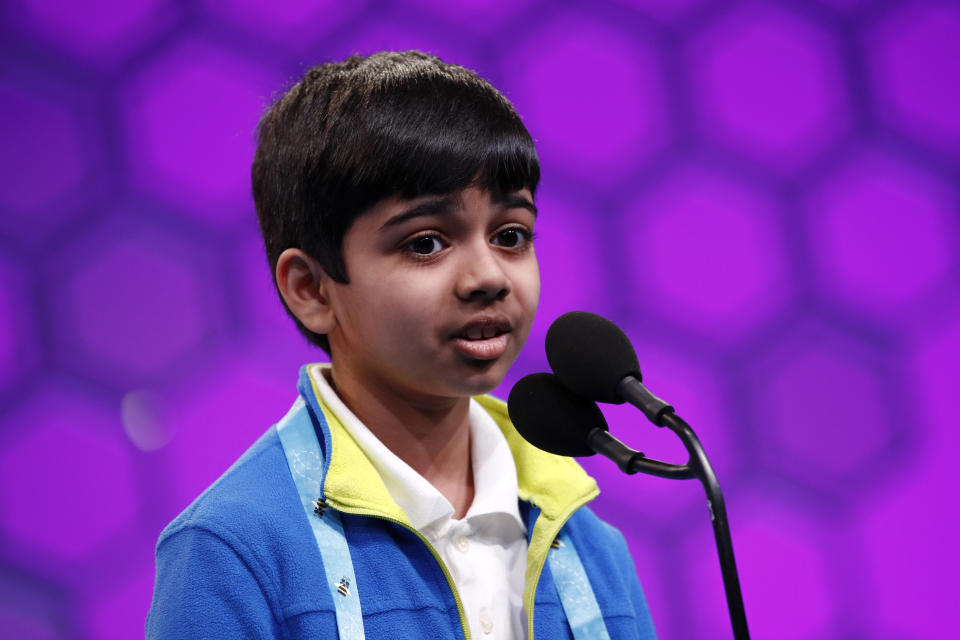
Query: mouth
x,y
483,338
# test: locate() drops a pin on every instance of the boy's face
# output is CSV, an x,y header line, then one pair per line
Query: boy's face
x,y
442,293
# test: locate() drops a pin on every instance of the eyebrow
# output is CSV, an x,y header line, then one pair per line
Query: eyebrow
x,y
445,205
440,206
515,201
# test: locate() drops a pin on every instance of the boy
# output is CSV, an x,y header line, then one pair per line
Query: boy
x,y
395,196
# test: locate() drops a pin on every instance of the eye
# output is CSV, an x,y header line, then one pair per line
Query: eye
x,y
424,245
512,238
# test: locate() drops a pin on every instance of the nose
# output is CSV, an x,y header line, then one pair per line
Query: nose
x,y
481,276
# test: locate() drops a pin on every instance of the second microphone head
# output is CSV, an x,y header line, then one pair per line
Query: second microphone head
x,y
551,417
591,355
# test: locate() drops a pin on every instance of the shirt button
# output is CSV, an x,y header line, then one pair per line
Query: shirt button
x,y
462,544
486,623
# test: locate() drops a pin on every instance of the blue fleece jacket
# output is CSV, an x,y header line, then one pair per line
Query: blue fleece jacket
x,y
241,561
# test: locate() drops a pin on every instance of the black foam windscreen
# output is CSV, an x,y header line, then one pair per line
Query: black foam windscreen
x,y
591,355
550,417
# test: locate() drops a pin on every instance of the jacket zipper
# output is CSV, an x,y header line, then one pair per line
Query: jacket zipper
x,y
436,556
465,627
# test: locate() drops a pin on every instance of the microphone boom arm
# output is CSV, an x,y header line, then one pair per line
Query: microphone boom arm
x,y
701,468
631,461
697,466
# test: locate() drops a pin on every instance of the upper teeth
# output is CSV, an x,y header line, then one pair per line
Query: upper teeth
x,y
481,332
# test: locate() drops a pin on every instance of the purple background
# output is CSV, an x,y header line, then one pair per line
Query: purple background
x,y
764,194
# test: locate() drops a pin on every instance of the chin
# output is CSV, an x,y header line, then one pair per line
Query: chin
x,y
485,377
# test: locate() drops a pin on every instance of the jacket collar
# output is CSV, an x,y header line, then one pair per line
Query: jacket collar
x,y
554,484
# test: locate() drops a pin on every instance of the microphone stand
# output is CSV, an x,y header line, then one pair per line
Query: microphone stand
x,y
698,466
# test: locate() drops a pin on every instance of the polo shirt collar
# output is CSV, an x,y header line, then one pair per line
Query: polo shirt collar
x,y
494,469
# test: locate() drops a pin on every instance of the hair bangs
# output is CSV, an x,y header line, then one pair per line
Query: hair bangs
x,y
440,139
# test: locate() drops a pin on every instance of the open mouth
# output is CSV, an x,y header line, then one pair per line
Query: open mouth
x,y
482,332
484,338
484,329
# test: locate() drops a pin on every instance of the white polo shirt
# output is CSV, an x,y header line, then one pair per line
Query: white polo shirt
x,y
486,551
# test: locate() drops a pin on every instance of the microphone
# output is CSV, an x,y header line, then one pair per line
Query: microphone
x,y
552,418
594,358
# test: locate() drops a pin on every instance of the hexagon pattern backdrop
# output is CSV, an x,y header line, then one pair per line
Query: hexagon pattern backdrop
x,y
763,194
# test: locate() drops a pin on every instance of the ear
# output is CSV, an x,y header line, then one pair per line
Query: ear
x,y
305,286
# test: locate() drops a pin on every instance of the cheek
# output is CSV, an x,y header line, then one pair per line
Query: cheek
x,y
405,305
527,286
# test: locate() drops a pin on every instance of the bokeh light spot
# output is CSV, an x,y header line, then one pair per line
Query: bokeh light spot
x,y
915,80
63,469
99,30
821,408
297,23
610,116
884,233
190,119
767,84
782,572
706,251
138,304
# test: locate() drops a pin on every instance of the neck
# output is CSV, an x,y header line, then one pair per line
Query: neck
x,y
432,435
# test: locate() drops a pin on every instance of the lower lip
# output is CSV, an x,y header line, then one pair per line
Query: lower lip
x,y
486,349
